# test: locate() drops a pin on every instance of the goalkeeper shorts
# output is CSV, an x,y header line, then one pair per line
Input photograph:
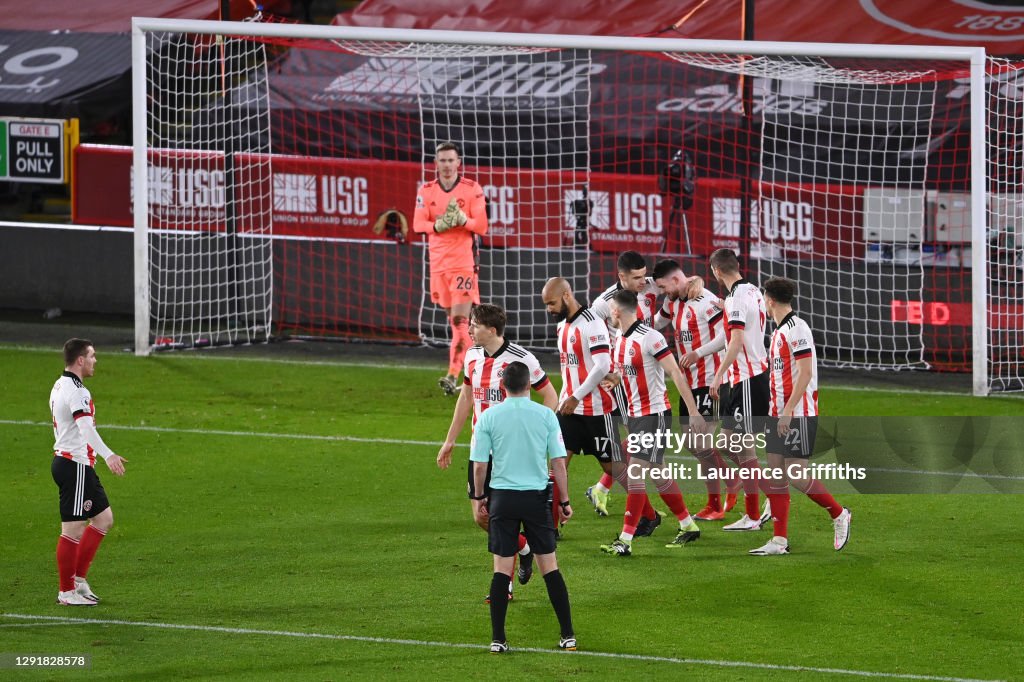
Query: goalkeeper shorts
x,y
454,287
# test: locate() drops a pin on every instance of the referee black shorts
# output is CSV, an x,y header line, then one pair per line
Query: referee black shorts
x,y
592,435
529,509
81,494
797,443
747,409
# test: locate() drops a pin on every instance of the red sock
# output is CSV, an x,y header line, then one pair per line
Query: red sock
x,y
461,342
87,546
673,497
751,500
634,507
712,459
522,542
780,513
648,513
823,498
607,481
67,552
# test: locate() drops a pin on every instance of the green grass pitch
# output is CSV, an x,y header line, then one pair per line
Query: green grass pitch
x,y
287,521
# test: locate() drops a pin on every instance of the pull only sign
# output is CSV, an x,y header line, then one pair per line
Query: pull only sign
x,y
32,151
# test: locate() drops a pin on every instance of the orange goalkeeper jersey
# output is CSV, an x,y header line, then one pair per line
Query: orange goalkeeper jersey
x,y
451,250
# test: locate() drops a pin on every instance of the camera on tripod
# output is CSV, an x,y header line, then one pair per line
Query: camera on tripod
x,y
678,180
581,209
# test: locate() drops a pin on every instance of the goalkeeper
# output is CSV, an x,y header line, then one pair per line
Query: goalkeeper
x,y
451,211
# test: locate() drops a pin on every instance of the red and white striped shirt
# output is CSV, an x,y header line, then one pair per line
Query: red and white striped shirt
x,y
581,338
637,358
744,309
696,322
70,401
646,303
791,342
483,373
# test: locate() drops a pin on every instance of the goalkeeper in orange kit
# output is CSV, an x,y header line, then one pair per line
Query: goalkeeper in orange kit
x,y
451,211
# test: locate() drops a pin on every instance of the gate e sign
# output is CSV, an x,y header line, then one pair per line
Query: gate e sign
x,y
33,151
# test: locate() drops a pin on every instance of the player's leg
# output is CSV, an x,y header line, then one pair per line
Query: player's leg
x,y
600,437
775,485
602,489
499,607
668,489
634,477
503,542
539,527
461,341
462,293
742,417
440,295
806,429
710,460
100,522
70,479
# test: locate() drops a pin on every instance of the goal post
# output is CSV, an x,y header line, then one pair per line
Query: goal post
x,y
575,169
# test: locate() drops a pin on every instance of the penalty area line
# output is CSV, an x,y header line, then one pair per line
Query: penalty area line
x,y
482,647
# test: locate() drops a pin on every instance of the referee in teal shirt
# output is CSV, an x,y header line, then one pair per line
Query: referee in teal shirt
x,y
516,438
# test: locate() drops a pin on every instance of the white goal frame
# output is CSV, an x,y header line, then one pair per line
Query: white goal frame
x,y
975,56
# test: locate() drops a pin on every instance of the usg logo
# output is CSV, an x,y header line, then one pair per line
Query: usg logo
x,y
770,219
621,212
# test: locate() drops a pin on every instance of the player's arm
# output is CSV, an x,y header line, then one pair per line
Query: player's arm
x,y
540,383
556,460
735,320
421,221
547,394
695,287
663,316
598,373
732,351
804,367
476,219
87,427
463,408
600,352
480,455
715,345
683,386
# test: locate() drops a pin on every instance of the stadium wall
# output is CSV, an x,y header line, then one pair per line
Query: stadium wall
x,y
90,270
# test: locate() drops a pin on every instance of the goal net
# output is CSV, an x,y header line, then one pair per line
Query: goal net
x,y
851,169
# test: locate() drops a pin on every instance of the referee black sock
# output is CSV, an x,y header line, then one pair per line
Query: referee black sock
x,y
558,593
499,605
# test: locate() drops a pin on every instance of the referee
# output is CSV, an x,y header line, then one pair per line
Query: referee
x,y
518,437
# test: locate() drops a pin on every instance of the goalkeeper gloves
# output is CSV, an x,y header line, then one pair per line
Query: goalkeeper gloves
x,y
454,215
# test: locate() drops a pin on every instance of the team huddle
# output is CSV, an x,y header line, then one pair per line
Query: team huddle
x,y
615,362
